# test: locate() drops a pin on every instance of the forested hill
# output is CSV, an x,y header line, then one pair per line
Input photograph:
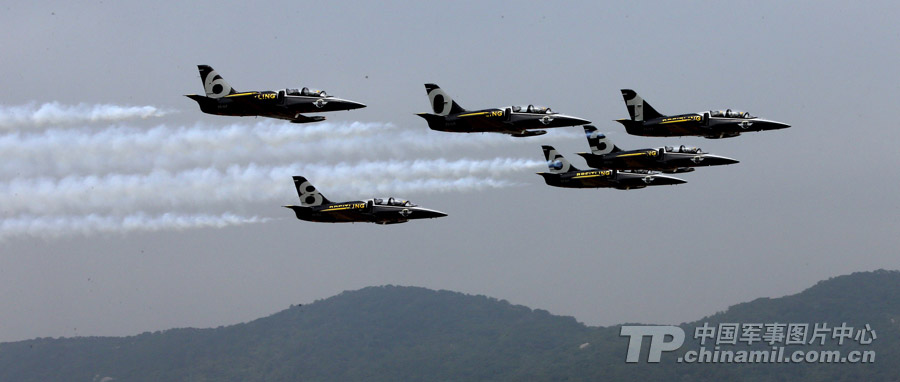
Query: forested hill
x,y
393,333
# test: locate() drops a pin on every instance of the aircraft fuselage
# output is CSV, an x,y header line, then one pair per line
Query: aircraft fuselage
x,y
497,120
595,178
518,121
698,124
363,212
273,104
655,160
222,99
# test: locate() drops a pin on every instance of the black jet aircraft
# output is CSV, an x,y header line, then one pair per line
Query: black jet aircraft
x,y
222,99
646,121
315,207
563,174
518,121
606,155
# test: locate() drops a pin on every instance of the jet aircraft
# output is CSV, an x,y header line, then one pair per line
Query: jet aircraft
x,y
646,121
518,121
563,174
315,207
222,99
606,155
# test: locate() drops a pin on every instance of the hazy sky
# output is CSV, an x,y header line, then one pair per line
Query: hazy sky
x,y
125,209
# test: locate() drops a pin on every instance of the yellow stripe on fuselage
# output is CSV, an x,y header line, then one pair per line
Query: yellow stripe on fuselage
x,y
684,118
345,206
241,94
592,174
474,114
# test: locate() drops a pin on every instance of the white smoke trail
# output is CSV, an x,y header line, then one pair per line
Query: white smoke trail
x,y
63,181
57,113
62,152
204,187
66,225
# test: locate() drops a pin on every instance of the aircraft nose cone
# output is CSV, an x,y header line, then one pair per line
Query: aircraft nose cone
x,y
558,120
575,121
353,105
774,125
435,214
424,213
725,161
715,160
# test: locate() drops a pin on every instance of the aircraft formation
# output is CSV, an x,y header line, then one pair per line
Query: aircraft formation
x,y
610,166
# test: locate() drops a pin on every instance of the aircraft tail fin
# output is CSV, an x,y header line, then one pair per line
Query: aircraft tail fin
x,y
309,195
598,141
639,109
441,102
213,83
556,162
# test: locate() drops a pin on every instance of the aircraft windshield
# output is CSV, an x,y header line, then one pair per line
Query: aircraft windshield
x,y
730,114
532,109
683,149
305,92
392,202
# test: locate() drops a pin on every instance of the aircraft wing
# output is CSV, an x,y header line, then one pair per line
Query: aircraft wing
x,y
299,118
527,133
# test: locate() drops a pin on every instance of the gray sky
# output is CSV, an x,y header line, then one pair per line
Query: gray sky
x,y
87,250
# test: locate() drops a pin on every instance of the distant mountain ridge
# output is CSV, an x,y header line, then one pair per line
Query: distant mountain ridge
x,y
395,333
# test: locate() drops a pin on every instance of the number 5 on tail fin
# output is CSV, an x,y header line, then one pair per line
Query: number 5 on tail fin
x,y
556,162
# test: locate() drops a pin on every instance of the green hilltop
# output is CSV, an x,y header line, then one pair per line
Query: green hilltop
x,y
392,333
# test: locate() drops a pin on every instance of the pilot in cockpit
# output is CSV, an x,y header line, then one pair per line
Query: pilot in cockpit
x,y
312,92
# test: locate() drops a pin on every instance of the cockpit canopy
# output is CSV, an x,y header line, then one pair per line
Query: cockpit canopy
x,y
532,109
730,114
683,149
306,92
392,202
